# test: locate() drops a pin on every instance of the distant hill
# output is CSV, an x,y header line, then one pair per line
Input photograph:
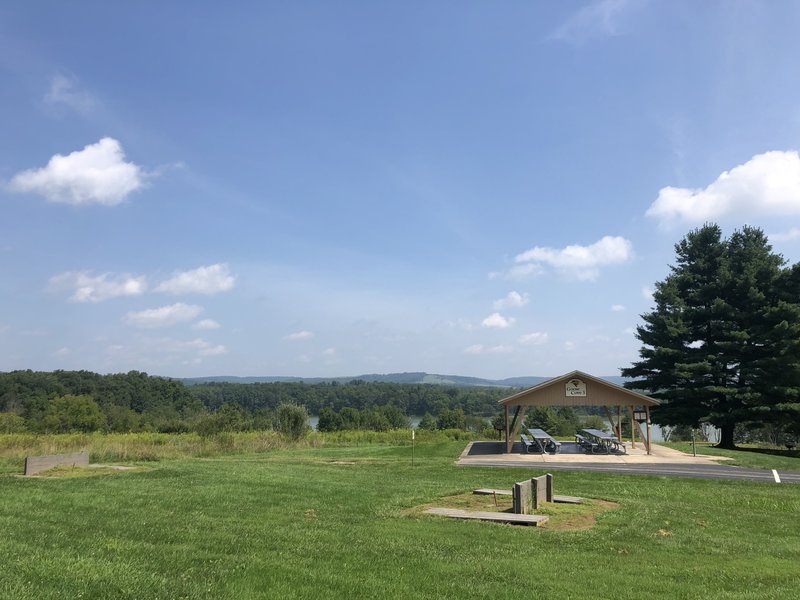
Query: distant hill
x,y
410,378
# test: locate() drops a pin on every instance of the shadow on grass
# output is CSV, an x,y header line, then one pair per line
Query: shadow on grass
x,y
770,451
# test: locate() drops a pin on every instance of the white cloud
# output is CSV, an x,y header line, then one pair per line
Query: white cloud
x,y
792,234
98,174
597,19
88,288
329,352
206,324
617,307
766,185
198,346
203,280
299,336
579,262
62,352
163,316
525,271
481,349
66,91
497,321
537,338
204,348
512,300
501,349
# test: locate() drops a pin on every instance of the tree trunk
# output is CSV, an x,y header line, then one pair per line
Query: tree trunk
x,y
726,437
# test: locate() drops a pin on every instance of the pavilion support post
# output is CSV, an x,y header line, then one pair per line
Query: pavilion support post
x,y
610,419
647,412
619,422
508,446
633,429
519,418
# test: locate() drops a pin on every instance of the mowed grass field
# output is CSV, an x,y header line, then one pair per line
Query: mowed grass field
x,y
340,522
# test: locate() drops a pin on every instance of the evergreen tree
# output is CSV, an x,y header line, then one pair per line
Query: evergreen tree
x,y
721,345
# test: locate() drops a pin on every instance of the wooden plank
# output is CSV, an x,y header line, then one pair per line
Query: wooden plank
x,y
568,499
497,517
37,464
491,492
523,497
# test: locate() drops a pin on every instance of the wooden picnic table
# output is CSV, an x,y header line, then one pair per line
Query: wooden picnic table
x,y
601,441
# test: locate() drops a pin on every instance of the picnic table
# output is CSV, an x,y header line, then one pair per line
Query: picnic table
x,y
596,441
540,440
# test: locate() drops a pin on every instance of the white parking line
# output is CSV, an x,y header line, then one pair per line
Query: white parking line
x,y
775,475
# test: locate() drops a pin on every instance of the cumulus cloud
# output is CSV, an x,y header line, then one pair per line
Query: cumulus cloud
x,y
163,316
537,338
197,346
85,287
299,336
617,307
512,300
98,174
497,321
65,91
206,324
203,280
597,19
579,262
481,349
766,185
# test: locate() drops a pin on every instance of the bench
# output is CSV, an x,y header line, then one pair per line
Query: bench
x,y
587,445
529,443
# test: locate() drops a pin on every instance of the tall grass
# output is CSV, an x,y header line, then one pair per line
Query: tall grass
x,y
140,447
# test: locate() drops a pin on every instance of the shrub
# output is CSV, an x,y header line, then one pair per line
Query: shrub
x,y
73,413
292,421
11,423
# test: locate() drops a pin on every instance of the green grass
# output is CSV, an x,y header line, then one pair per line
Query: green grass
x,y
746,456
338,521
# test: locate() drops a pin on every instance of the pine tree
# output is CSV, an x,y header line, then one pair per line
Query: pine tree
x,y
723,343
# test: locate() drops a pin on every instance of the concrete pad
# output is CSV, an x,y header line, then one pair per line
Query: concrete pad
x,y
477,453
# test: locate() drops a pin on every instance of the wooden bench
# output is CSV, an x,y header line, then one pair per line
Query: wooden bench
x,y
499,517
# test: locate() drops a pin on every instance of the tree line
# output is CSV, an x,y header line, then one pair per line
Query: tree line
x,y
62,401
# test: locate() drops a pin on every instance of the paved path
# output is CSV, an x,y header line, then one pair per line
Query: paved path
x,y
664,462
663,470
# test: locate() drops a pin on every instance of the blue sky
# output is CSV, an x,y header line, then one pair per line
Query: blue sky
x,y
337,188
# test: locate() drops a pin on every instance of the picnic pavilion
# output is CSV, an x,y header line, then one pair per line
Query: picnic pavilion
x,y
581,389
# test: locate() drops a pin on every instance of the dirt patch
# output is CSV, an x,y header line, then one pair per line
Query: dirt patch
x,y
563,517
90,471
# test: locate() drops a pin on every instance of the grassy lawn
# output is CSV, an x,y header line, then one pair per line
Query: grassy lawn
x,y
753,456
340,521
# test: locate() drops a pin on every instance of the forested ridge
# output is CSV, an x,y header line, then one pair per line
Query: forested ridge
x,y
84,401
